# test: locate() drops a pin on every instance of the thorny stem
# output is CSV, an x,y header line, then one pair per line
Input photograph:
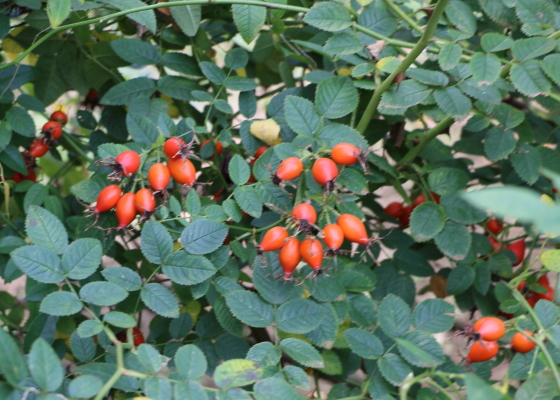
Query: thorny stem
x,y
427,138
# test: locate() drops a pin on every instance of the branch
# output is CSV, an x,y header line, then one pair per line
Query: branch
x,y
427,138
403,66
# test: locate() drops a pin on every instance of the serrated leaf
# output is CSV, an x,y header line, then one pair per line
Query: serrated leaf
x,y
249,20
136,51
191,362
239,170
529,79
420,349
328,16
82,348
45,230
249,308
454,240
364,343
445,180
248,199
125,92
160,300
495,42
299,316
58,11
301,116
39,263
61,304
499,143
156,242
344,43
526,162
45,366
550,67
81,258
485,68
236,373
203,236
302,352
186,269
453,102
408,94
449,56
187,18
461,15
525,49
102,293
213,72
394,368
20,121
427,77
394,316
119,319
337,96
84,386
426,221
126,278
433,316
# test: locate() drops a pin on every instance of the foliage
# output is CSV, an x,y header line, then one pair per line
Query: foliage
x,y
119,305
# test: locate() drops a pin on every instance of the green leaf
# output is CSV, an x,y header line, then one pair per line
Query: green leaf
x,y
485,68
248,199
508,116
182,63
150,358
499,143
191,362
89,328
102,293
58,11
124,277
526,162
249,308
81,258
394,316
6,135
426,221
203,236
529,79
45,366
445,180
421,349
146,18
460,279
61,304
35,196
449,56
177,87
302,352
236,373
45,230
275,389
160,300
547,312
82,348
479,389
84,386
39,263
337,96
12,158
186,269
461,15
187,18
236,58
454,240
180,327
298,378
394,368
459,210
213,72
525,49
13,365
239,170
408,94
344,43
141,128
265,354
551,260
301,116
539,386
20,121
550,67
412,262
427,77
273,290
156,242
125,92
190,391
232,210
364,343
240,84
495,42
136,51
328,16
453,102
433,316
119,319
249,20
247,104
299,316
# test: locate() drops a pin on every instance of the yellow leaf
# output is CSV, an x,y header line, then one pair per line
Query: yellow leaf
x,y
546,199
266,130
345,71
241,72
193,308
10,45
173,111
364,2
141,398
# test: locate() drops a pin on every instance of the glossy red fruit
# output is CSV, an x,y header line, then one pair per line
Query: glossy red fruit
x,y
495,244
394,209
138,337
129,162
218,147
312,252
532,299
404,218
548,295
305,211
59,117
38,148
518,249
334,236
290,256
260,151
182,171
274,239
289,169
125,210
159,176
324,171
494,226
345,154
53,129
172,147
489,328
107,198
482,351
521,343
353,228
421,198
543,281
144,201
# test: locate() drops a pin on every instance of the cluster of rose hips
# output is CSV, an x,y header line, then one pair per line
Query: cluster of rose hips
x,y
402,211
487,331
311,250
52,130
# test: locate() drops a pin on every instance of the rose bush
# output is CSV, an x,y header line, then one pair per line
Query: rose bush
x,y
238,199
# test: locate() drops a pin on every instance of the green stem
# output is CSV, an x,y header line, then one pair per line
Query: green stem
x,y
403,66
266,228
427,138
118,373
397,10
